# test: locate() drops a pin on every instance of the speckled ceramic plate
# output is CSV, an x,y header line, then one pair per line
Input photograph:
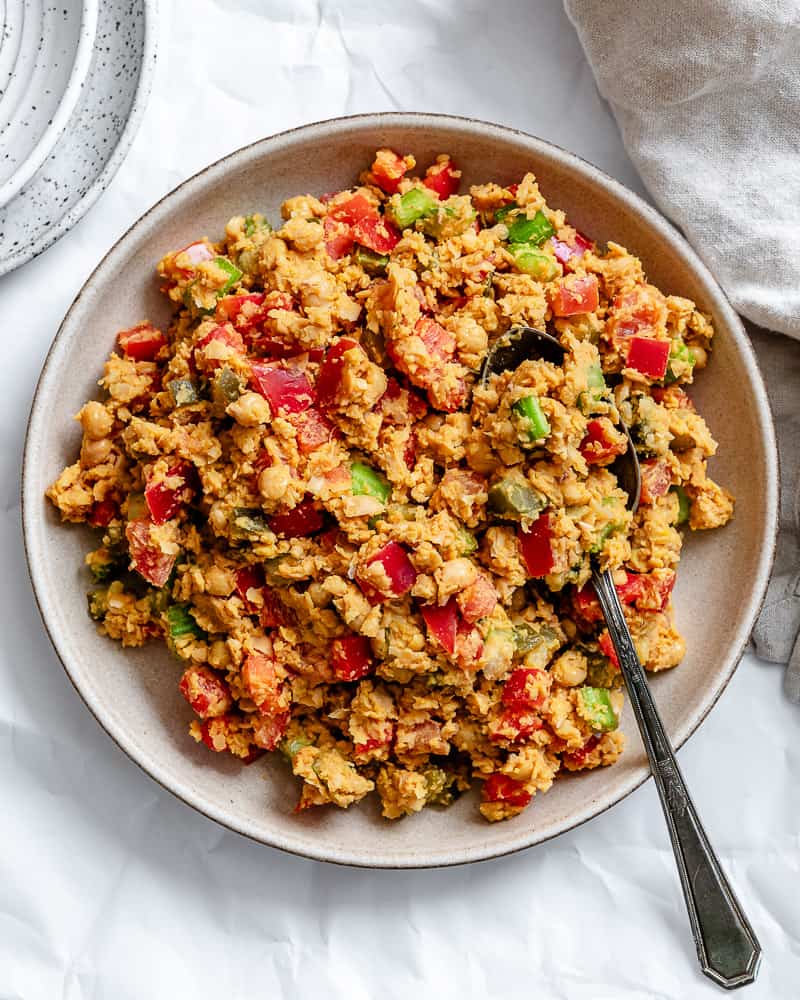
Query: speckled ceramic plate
x,y
45,52
133,693
96,139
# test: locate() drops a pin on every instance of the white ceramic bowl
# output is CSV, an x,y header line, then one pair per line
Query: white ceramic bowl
x,y
722,578
45,54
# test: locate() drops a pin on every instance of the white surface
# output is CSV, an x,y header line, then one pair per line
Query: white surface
x,y
109,887
715,143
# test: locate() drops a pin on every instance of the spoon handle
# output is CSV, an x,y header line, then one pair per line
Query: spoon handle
x,y
727,948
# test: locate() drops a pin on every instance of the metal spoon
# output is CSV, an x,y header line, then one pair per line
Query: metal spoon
x,y
727,948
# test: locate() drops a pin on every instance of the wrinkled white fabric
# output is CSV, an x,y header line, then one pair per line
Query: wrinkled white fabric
x,y
707,96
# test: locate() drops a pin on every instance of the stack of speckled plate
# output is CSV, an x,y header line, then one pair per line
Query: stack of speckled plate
x,y
74,79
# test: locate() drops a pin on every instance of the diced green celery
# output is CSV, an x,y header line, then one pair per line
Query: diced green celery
x,y
183,391
180,622
681,353
98,603
467,542
373,263
534,231
503,211
293,745
605,533
532,261
684,504
594,705
247,522
254,222
227,387
512,497
231,270
365,481
415,204
535,423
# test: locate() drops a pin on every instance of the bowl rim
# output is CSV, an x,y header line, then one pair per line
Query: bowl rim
x,y
666,231
79,71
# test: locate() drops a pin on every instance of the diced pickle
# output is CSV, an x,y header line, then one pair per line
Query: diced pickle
x,y
600,671
537,643
467,542
247,522
183,391
227,387
373,263
514,498
98,603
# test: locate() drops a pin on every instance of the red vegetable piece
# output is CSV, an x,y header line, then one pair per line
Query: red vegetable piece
x,y
351,657
649,357
570,253
313,430
672,396
586,606
142,342
607,647
249,578
287,390
442,620
597,447
478,599
443,178
302,520
330,372
269,730
165,497
515,724
578,757
265,684
103,513
575,294
536,546
146,556
397,567
208,694
656,480
522,689
439,343
376,233
274,613
353,210
338,238
215,733
500,788
469,645
388,169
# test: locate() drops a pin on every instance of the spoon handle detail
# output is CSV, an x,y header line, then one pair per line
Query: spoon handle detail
x,y
727,948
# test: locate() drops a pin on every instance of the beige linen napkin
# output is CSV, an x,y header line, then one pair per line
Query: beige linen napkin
x,y
707,97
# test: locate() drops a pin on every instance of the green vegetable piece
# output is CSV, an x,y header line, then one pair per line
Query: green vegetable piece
x,y
374,344
231,270
414,204
254,222
180,622
293,745
365,481
683,355
247,522
440,790
531,261
604,534
103,563
373,263
503,211
512,497
684,504
98,603
600,671
595,707
183,391
227,387
137,507
160,599
533,420
534,231
467,542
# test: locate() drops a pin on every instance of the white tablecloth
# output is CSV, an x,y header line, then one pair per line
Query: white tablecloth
x,y
110,887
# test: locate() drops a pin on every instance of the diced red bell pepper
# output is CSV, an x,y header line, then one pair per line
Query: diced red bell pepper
x,y
410,450
500,788
353,210
397,567
606,645
338,238
330,372
656,480
597,447
469,645
388,170
351,657
215,733
208,694
522,689
249,578
142,342
376,233
569,254
265,684
442,177
575,294
165,497
398,404
649,357
439,343
146,556
442,620
245,312
515,724
673,396
384,737
577,758
647,591
103,513
478,599
641,311
537,546
274,612
287,390
222,334
269,729
300,521
313,430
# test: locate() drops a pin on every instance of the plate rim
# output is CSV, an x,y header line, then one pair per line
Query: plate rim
x,y
529,838
23,254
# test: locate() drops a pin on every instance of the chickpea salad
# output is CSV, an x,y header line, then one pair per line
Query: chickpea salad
x,y
360,556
